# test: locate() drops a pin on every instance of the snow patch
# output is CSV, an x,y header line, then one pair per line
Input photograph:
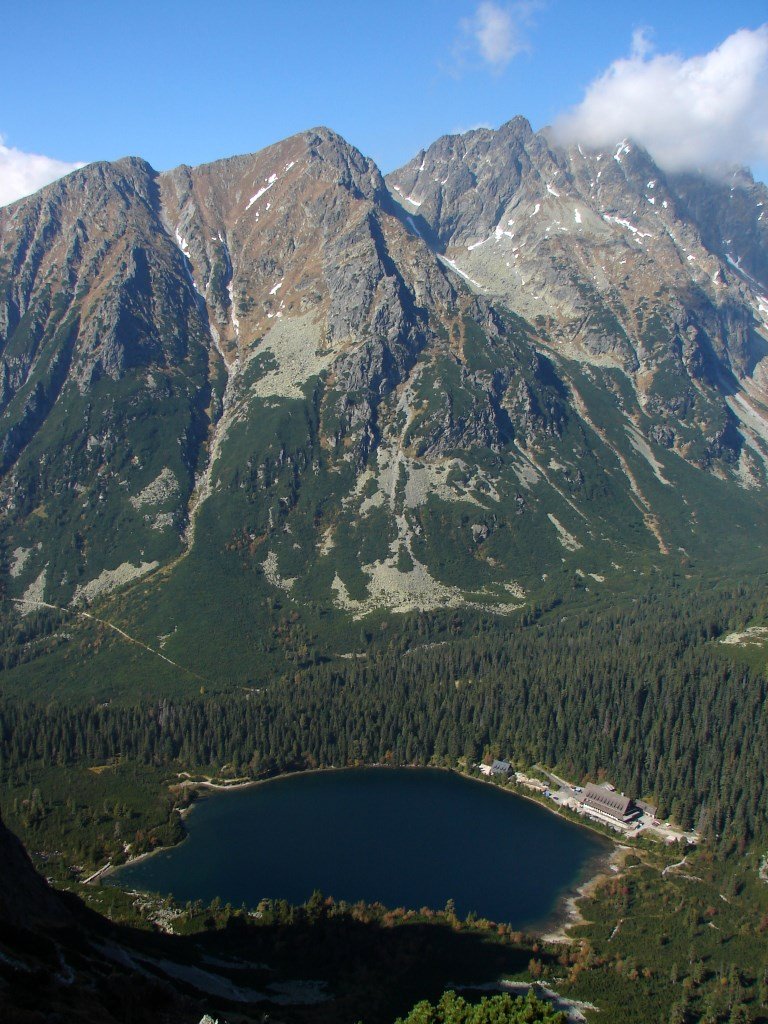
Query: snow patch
x,y
460,272
183,245
265,188
233,315
626,224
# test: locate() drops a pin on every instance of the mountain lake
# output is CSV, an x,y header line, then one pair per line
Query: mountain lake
x,y
405,837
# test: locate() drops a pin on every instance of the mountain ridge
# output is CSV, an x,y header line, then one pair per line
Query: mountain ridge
x,y
281,377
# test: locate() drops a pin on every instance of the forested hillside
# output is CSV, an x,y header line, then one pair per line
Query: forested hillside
x,y
644,694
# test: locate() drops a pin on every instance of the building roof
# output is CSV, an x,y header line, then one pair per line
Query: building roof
x,y
500,766
602,799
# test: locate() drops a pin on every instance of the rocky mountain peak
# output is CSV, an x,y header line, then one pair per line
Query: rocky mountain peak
x,y
358,394
258,230
662,276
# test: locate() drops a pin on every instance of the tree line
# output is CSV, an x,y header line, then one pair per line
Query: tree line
x,y
641,694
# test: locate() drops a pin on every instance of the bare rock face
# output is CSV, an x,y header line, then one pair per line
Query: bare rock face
x,y
283,365
60,961
730,214
89,252
132,306
617,264
298,228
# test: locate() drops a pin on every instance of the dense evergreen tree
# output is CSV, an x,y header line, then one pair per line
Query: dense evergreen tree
x,y
641,693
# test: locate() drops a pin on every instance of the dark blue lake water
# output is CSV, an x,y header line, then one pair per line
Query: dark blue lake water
x,y
404,837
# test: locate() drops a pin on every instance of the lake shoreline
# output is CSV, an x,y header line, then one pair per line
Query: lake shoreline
x,y
553,929
570,914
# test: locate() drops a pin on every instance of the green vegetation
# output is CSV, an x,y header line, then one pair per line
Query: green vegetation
x,y
373,962
521,435
612,668
594,524
641,693
639,690
75,818
502,1009
663,941
685,943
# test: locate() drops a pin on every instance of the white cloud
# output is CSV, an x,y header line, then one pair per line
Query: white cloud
x,y
21,173
642,43
695,112
496,33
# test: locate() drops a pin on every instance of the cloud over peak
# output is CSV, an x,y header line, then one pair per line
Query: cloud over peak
x,y
687,112
22,173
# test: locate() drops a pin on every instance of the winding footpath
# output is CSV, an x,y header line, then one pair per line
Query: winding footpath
x,y
26,602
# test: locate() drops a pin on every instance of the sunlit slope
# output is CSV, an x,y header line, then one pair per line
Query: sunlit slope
x,y
254,411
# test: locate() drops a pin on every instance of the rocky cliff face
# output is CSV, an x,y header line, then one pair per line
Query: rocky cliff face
x,y
297,258
617,265
133,307
277,378
104,349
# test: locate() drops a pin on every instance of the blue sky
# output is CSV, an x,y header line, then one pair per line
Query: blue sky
x,y
189,82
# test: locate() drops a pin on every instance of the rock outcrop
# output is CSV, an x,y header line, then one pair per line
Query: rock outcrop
x,y
279,377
